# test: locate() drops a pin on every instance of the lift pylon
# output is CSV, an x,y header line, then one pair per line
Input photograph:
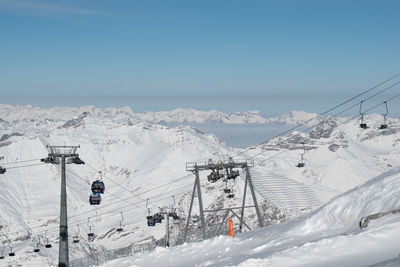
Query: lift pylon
x,y
195,167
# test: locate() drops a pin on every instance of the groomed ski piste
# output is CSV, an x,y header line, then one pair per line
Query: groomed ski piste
x,y
312,219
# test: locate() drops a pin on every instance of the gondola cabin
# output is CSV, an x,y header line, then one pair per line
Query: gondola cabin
x,y
95,199
150,221
98,187
157,218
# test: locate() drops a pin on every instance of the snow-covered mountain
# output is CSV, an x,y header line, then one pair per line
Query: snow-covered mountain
x,y
137,157
21,114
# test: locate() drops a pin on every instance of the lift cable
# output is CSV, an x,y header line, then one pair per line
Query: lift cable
x,y
351,118
83,221
347,109
22,161
114,195
118,184
325,112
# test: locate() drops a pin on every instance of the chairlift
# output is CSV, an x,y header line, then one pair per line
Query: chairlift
x,y
301,164
11,253
229,192
48,244
37,249
362,123
90,233
75,238
77,160
173,213
230,172
2,170
150,219
214,176
2,252
95,199
119,229
226,189
384,124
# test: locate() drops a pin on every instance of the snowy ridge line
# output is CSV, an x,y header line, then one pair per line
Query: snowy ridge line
x,y
287,194
73,117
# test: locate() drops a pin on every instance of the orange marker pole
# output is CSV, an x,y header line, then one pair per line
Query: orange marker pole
x,y
231,228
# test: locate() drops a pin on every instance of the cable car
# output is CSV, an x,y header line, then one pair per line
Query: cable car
x,y
157,218
95,199
98,187
150,221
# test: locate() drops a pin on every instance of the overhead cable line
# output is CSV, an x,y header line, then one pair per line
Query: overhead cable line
x,y
325,112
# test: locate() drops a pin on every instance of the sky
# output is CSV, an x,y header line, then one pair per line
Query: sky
x,y
229,55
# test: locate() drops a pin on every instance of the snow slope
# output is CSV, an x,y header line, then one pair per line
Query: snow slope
x,y
329,236
142,156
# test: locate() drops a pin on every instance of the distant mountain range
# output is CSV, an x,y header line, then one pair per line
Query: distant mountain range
x,y
9,113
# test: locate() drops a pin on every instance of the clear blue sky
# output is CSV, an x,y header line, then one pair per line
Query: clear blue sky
x,y
230,55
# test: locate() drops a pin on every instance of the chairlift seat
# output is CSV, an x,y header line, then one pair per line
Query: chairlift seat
x,y
227,191
300,165
175,216
2,170
11,254
95,199
98,187
77,161
48,245
90,234
231,195
1,257
363,125
119,229
383,126
233,174
75,240
36,250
